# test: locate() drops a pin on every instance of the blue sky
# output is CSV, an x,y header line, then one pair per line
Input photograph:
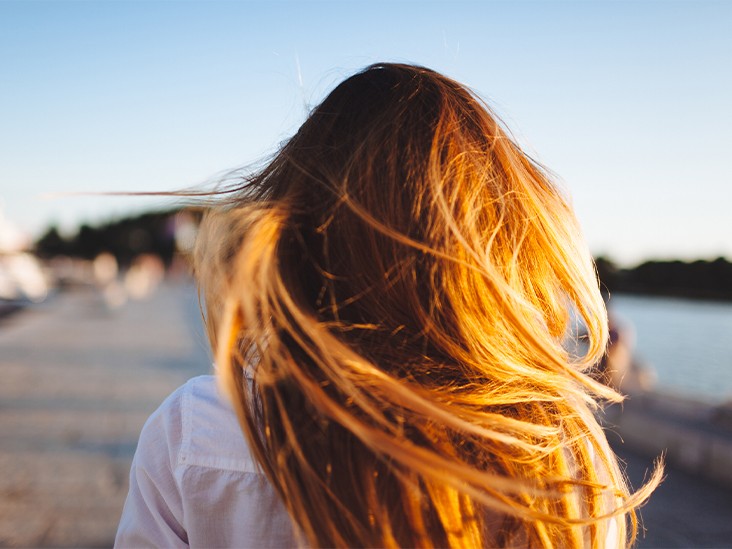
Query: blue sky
x,y
630,104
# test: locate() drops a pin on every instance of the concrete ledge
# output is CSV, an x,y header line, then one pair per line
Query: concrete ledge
x,y
687,432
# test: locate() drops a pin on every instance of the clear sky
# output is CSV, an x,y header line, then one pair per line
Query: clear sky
x,y
629,104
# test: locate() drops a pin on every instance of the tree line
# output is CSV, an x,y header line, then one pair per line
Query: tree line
x,y
701,279
149,233
154,233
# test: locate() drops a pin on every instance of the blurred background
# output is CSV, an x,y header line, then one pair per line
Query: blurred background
x,y
627,103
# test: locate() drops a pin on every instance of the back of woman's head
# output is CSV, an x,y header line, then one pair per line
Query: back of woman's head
x,y
397,284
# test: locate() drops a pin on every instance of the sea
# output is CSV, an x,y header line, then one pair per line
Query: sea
x,y
687,343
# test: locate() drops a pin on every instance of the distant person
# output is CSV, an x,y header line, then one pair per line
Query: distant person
x,y
619,367
615,365
386,301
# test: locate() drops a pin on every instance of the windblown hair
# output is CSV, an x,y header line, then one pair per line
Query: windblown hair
x,y
387,301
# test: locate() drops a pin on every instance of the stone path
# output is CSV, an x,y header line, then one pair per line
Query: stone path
x,y
78,382
685,511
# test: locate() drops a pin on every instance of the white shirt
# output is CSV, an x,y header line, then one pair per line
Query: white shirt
x,y
194,483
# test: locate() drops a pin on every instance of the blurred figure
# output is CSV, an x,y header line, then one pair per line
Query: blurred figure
x,y
617,361
106,271
21,277
619,367
144,276
21,274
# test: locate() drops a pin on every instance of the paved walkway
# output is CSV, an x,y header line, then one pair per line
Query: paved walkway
x,y
78,381
685,512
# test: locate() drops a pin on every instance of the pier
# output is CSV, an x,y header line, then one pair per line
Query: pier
x,y
80,378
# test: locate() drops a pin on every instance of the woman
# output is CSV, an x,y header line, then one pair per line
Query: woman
x,y
387,301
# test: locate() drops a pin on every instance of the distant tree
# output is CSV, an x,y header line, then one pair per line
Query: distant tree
x,y
702,279
51,244
608,273
149,233
720,275
88,243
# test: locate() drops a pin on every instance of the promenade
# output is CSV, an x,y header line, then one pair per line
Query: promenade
x,y
79,380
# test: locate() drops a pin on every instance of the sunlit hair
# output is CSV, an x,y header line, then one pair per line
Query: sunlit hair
x,y
388,301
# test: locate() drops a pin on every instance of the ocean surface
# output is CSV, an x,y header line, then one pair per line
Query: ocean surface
x,y
688,343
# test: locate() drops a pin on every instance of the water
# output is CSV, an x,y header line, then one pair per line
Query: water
x,y
688,343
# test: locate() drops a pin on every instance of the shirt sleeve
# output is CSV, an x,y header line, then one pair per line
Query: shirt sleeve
x,y
153,512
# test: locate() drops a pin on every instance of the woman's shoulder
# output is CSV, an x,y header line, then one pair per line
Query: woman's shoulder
x,y
200,428
193,481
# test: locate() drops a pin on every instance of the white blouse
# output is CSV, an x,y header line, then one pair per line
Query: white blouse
x,y
194,483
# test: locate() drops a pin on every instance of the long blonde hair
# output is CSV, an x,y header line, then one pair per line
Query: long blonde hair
x,y
387,301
